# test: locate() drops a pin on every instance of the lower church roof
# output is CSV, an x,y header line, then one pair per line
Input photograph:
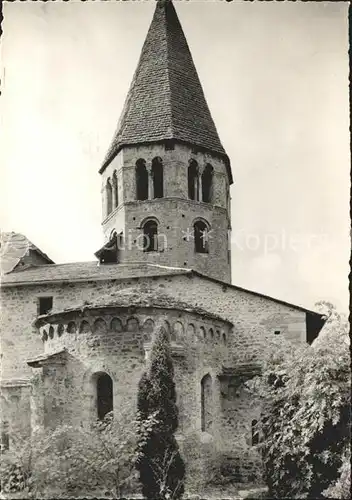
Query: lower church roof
x,y
91,271
86,271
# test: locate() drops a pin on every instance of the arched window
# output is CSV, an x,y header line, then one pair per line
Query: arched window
x,y
158,178
193,181
141,180
150,236
115,190
201,237
148,328
108,197
207,184
206,403
255,432
104,395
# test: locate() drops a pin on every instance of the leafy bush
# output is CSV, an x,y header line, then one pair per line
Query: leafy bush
x,y
306,420
15,470
69,461
342,487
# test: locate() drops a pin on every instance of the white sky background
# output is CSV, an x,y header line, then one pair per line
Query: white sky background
x,y
275,75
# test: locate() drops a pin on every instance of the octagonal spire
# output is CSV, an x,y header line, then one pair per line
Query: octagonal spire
x,y
166,100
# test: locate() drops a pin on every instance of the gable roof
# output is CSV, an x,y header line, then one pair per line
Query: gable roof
x,y
86,271
92,271
166,100
15,246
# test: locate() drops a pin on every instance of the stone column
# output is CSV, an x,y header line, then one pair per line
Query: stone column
x,y
150,183
200,193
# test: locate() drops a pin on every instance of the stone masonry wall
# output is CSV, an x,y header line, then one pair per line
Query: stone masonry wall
x,y
255,319
176,243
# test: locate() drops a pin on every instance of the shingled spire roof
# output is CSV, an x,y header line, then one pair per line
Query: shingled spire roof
x,y
166,99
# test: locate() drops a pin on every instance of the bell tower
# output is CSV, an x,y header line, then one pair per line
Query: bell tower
x,y
166,176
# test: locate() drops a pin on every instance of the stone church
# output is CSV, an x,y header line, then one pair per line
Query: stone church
x,y
87,327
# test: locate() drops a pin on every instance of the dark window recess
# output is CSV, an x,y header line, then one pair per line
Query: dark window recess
x,y
115,186
193,180
207,184
109,206
141,180
150,236
45,305
201,237
277,332
255,432
104,395
158,178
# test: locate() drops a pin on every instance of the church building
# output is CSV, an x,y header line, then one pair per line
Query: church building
x,y
84,330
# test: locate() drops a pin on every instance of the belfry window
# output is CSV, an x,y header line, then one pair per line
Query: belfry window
x,y
201,236
158,178
104,395
207,184
206,403
108,197
150,236
115,190
193,180
141,180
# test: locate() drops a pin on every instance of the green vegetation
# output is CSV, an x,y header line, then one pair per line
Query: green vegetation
x,y
160,465
306,417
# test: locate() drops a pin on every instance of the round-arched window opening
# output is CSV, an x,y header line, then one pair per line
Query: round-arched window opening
x,y
104,395
150,236
201,237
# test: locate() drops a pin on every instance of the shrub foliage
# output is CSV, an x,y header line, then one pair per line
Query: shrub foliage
x,y
306,417
160,465
71,461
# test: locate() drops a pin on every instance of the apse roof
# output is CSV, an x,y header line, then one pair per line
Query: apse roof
x,y
132,297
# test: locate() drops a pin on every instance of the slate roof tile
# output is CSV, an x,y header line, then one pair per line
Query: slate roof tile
x,y
166,100
86,271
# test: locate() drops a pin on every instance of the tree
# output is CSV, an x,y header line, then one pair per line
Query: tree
x,y
306,417
160,465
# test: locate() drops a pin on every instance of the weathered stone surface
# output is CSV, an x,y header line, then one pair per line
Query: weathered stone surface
x,y
104,317
119,349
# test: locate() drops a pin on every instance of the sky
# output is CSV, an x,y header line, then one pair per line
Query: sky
x,y
275,75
